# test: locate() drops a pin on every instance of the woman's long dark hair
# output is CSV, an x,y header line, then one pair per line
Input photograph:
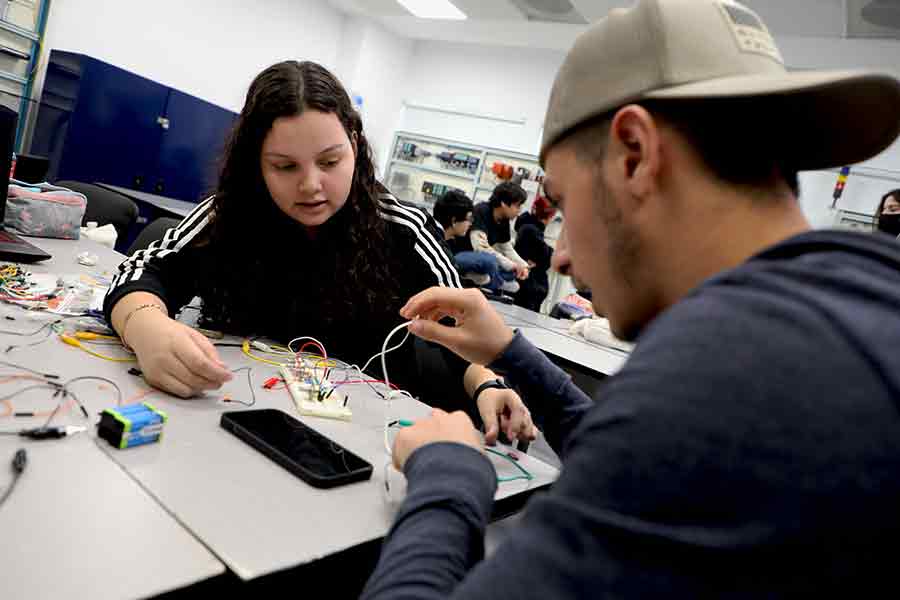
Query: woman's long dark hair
x,y
259,251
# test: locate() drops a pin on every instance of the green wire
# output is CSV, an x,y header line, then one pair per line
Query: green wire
x,y
525,474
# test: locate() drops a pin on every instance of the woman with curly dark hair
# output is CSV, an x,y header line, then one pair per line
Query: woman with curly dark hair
x,y
300,239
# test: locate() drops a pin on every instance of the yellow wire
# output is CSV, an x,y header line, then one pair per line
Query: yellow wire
x,y
245,348
90,335
67,339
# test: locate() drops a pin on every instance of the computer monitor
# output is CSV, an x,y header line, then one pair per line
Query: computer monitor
x,y
31,168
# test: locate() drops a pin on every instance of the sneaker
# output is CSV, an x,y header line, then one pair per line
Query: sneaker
x,y
479,280
510,287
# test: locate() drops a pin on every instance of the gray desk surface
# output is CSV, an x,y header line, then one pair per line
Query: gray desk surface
x,y
552,336
255,516
178,208
77,525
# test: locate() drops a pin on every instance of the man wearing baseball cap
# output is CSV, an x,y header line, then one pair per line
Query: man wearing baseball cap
x,y
750,447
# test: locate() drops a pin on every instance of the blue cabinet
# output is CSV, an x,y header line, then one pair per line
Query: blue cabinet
x,y
98,122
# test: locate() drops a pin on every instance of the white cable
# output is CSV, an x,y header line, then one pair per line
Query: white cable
x,y
368,362
387,403
312,339
384,351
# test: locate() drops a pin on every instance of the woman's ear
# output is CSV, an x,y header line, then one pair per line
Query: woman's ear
x,y
354,138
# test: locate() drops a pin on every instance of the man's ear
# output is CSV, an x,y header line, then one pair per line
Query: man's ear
x,y
635,145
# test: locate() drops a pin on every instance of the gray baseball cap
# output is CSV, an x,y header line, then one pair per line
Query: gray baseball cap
x,y
707,49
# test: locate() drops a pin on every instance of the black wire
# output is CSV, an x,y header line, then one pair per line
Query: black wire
x,y
20,459
26,369
50,324
227,345
249,384
49,386
77,401
43,340
66,385
35,332
55,410
12,486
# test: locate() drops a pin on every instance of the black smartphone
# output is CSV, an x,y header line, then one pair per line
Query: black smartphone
x,y
301,450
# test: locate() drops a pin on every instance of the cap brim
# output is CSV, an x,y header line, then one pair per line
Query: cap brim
x,y
833,118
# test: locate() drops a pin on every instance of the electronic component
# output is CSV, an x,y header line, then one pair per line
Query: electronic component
x,y
51,433
133,425
316,398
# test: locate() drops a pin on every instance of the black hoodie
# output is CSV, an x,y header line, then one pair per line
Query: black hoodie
x,y
750,448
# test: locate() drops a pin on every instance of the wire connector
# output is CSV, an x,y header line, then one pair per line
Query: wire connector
x,y
261,346
51,433
20,459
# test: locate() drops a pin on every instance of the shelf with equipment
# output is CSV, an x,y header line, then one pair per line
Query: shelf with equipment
x,y
22,25
422,168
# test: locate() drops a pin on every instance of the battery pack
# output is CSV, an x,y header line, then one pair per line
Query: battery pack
x,y
132,425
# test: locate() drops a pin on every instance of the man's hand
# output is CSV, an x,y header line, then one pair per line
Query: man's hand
x,y
440,427
480,335
522,272
504,409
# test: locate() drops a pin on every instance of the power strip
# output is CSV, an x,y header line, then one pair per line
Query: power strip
x,y
306,399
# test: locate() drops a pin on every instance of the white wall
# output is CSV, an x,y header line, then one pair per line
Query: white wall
x,y
511,83
833,53
516,83
208,48
374,64
873,178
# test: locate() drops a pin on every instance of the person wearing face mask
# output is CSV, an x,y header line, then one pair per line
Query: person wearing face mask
x,y
887,217
300,239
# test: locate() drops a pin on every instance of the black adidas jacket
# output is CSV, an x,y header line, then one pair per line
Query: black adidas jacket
x,y
176,268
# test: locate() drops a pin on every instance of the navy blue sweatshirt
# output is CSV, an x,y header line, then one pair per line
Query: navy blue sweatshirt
x,y
749,448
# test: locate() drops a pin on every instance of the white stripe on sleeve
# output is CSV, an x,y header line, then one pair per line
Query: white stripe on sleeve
x,y
427,245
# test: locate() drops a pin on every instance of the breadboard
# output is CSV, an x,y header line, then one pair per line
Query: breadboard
x,y
305,396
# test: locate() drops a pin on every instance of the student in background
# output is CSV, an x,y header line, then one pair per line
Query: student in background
x,y
530,245
887,217
491,231
300,239
453,211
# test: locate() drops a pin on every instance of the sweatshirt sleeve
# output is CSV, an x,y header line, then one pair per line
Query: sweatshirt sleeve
x,y
480,243
165,268
438,535
431,261
556,404
509,252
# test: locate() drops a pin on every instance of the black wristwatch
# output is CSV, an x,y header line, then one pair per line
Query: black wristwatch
x,y
490,383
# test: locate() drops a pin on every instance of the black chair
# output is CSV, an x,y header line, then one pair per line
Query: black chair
x,y
106,207
152,232
31,168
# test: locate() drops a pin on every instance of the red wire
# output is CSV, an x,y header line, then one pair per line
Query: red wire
x,y
324,354
26,298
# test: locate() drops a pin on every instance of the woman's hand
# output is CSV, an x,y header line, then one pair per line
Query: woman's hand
x,y
174,357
